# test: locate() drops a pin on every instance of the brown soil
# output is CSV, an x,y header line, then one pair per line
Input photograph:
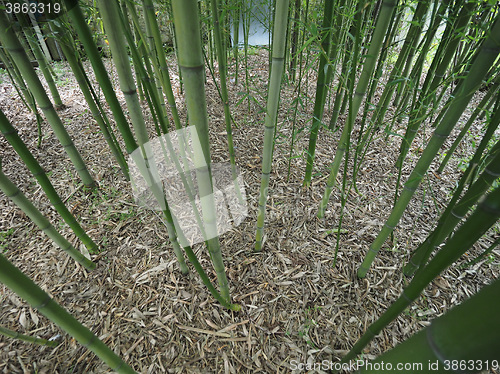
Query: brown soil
x,y
297,307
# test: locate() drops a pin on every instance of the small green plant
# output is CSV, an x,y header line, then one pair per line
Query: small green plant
x,y
490,259
114,215
308,323
104,242
3,72
463,165
3,238
61,77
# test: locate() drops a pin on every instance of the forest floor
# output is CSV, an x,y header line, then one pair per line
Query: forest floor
x,y
297,307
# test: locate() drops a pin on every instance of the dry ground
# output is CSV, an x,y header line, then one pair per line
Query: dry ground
x,y
296,306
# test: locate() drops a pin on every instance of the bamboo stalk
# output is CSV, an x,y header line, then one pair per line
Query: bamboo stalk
x,y
396,75
191,64
221,57
40,58
383,20
24,93
236,37
99,115
446,50
449,343
462,95
488,98
482,255
280,24
15,194
321,88
80,24
28,338
10,41
455,211
13,138
26,289
474,228
110,15
164,75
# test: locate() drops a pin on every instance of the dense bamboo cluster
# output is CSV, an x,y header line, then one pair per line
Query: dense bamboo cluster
x,y
447,53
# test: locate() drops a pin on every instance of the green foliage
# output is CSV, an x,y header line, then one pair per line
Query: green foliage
x,y
60,69
94,20
3,75
4,236
308,324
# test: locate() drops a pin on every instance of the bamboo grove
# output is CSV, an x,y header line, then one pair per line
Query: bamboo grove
x,y
448,53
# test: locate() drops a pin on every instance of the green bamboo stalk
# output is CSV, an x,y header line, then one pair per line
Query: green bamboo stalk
x,y
321,88
191,64
208,31
360,31
473,40
294,41
147,169
142,58
482,255
343,78
412,90
150,59
396,76
462,95
236,37
365,136
80,24
383,20
172,226
449,344
16,79
13,138
437,17
26,289
40,58
279,38
344,17
221,57
444,54
23,92
485,216
417,48
99,115
480,108
154,102
28,338
164,76
455,211
298,90
15,194
111,15
124,7
487,108
10,42
246,13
